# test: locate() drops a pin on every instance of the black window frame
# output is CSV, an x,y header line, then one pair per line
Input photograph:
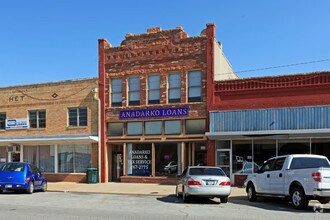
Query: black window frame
x,y
78,118
3,118
35,119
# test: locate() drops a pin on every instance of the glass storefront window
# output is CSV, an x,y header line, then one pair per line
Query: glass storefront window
x,y
134,128
115,129
241,155
46,158
296,146
153,127
321,147
173,127
200,154
74,158
139,159
195,126
167,163
30,154
3,155
263,150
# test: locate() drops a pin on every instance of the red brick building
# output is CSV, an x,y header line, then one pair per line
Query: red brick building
x,y
154,108
257,118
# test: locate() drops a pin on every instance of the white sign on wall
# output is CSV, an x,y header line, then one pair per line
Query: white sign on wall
x,y
19,123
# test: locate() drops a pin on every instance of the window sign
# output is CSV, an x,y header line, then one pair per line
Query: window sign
x,y
20,123
154,113
139,159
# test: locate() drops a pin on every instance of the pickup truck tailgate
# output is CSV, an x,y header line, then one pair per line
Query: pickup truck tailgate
x,y
325,178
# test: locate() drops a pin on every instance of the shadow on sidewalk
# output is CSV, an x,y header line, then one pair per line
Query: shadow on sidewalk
x,y
274,204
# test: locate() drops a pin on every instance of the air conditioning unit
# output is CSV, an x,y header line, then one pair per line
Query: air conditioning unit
x,y
13,148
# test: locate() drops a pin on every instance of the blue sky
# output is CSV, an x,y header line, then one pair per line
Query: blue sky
x,y
44,41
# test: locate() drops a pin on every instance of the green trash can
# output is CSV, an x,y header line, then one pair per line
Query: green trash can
x,y
92,175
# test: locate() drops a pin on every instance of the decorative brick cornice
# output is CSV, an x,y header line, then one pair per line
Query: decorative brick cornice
x,y
285,81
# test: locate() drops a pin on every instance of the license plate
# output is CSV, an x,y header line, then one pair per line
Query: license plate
x,y
8,186
210,183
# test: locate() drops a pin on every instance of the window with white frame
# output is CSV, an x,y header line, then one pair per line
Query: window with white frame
x,y
153,89
77,117
116,92
37,119
134,90
174,87
2,120
194,86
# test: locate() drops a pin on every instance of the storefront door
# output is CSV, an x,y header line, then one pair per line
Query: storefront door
x,y
224,160
117,166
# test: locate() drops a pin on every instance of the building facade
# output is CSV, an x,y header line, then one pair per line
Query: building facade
x,y
254,119
153,92
52,125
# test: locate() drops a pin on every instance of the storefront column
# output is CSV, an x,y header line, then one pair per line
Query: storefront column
x,y
183,165
210,152
55,158
125,159
192,154
21,153
153,159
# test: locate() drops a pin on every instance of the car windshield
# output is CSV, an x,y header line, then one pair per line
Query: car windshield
x,y
13,167
206,172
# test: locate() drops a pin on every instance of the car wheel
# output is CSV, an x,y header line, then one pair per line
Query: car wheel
x,y
30,188
44,187
185,197
298,198
224,199
177,192
251,193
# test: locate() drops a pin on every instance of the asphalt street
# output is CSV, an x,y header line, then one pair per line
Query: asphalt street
x,y
58,205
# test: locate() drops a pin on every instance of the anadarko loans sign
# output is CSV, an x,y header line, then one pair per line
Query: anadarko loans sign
x,y
154,113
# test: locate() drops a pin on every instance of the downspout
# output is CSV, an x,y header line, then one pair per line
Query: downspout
x,y
96,97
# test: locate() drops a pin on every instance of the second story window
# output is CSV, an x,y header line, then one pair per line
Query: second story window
x,y
153,89
2,120
174,88
116,92
194,86
77,117
37,119
134,90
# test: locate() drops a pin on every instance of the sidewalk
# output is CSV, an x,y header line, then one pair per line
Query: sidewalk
x,y
123,188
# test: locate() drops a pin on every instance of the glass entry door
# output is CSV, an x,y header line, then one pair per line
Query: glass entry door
x,y
224,160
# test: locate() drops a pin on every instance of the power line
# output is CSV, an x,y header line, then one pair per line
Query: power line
x,y
281,66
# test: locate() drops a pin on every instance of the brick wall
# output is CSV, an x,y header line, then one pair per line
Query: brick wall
x,y
273,92
159,52
55,98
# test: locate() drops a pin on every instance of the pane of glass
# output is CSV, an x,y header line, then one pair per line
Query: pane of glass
x,y
115,129
263,150
173,127
321,146
42,119
134,84
195,92
46,158
153,95
30,154
200,154
153,127
134,96
116,85
116,98
166,159
293,147
174,80
2,120
153,82
65,158
134,128
139,159
83,117
33,119
194,78
195,126
73,115
82,158
241,156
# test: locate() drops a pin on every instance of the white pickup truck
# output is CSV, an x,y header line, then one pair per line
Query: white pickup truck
x,y
300,177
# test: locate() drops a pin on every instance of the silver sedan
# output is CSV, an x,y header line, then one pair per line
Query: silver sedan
x,y
204,181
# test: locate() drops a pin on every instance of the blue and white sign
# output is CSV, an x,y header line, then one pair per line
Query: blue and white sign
x,y
154,113
19,123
